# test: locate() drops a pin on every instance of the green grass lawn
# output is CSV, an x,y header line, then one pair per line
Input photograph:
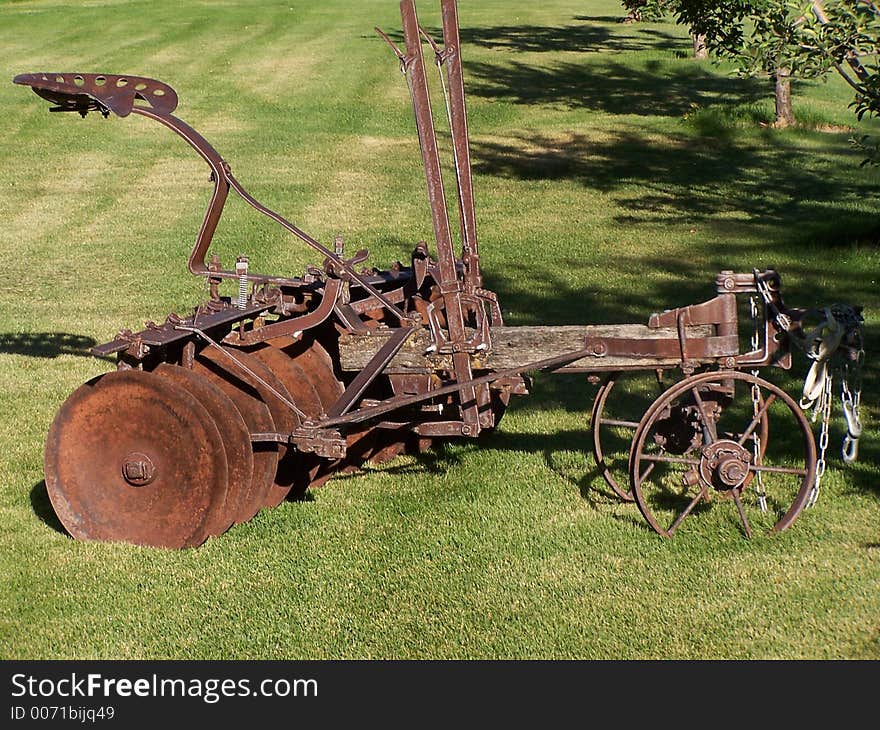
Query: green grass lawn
x,y
614,177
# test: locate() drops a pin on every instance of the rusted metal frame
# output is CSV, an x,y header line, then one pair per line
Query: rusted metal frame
x,y
240,367
454,98
449,283
772,351
169,333
461,147
639,367
717,311
557,362
694,348
721,312
328,444
332,290
442,428
362,306
302,235
481,339
350,319
223,180
219,168
366,376
414,68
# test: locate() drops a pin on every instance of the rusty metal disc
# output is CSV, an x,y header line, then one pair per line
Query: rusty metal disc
x,y
389,445
315,363
233,431
222,372
295,469
134,457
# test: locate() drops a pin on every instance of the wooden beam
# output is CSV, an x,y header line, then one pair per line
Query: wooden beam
x,y
516,346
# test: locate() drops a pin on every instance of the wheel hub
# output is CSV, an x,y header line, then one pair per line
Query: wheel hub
x,y
678,430
138,469
725,465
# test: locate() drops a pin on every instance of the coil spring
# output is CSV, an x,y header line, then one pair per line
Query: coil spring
x,y
241,268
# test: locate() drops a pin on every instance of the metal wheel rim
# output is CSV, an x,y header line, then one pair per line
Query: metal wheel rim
x,y
808,442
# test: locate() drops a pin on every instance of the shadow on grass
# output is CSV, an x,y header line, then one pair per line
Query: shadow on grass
x,y
682,179
45,344
556,449
43,509
646,87
649,89
588,35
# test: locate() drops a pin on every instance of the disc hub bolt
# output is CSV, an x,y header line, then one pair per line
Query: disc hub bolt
x,y
732,471
724,464
138,470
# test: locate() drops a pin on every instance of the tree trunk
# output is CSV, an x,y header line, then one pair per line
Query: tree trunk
x,y
784,113
699,41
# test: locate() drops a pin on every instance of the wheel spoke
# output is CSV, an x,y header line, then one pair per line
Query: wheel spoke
x,y
778,469
670,459
614,422
742,513
707,422
687,510
757,419
646,473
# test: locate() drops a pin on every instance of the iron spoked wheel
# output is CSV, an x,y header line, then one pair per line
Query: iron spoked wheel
x,y
134,457
707,440
620,402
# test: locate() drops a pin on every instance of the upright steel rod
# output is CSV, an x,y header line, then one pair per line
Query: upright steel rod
x,y
418,85
460,144
450,286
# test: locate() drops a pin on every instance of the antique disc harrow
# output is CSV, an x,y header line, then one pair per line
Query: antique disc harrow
x,y
264,392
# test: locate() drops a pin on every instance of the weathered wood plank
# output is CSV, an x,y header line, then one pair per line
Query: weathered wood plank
x,y
514,347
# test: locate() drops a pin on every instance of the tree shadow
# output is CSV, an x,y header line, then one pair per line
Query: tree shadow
x,y
583,37
601,18
682,178
588,35
651,88
43,509
45,344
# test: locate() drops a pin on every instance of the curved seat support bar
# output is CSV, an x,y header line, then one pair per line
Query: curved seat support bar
x,y
79,92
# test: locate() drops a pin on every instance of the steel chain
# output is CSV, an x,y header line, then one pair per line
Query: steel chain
x,y
760,490
841,326
850,400
823,406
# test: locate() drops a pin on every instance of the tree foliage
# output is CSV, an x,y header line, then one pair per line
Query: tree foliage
x,y
846,35
647,10
800,38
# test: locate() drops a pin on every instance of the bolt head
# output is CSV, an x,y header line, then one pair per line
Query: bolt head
x,y
138,469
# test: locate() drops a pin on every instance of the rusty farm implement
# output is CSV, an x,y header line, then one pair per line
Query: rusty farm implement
x,y
270,389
